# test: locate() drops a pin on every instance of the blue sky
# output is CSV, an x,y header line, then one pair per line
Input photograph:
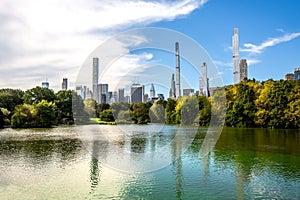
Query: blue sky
x,y
52,39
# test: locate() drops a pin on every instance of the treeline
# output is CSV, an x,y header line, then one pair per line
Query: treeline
x,y
36,107
272,104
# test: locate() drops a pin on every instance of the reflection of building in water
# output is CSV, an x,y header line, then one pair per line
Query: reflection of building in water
x,y
176,157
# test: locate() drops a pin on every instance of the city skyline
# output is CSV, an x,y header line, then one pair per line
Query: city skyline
x,y
269,44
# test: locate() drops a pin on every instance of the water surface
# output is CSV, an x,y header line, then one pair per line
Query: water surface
x,y
71,163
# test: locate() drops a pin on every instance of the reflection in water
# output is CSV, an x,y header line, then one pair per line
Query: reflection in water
x,y
245,164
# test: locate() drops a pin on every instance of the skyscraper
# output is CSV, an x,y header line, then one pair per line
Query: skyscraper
x,y
235,56
64,85
95,78
172,94
136,93
204,81
243,69
297,73
45,84
121,96
152,91
178,93
102,91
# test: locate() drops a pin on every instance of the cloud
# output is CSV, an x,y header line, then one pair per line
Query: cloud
x,y
257,49
61,34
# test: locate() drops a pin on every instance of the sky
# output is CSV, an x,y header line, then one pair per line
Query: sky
x,y
53,39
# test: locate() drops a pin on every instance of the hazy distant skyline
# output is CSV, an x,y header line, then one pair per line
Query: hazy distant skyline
x,y
51,38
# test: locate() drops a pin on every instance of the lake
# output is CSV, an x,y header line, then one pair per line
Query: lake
x,y
148,162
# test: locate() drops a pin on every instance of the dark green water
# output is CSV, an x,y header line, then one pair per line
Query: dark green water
x,y
69,163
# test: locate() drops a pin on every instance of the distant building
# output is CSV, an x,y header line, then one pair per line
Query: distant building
x,y
236,56
89,94
172,94
95,77
146,98
121,96
204,81
152,91
137,93
243,69
160,96
64,85
45,84
178,90
81,91
290,76
297,73
102,91
188,92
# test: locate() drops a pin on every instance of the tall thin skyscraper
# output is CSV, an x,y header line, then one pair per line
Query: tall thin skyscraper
x,y
204,80
64,85
121,96
235,56
172,94
243,69
178,93
95,78
152,91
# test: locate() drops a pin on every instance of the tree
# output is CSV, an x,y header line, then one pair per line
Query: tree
x,y
38,94
79,114
90,106
101,107
140,113
157,113
107,115
189,110
64,106
1,119
45,114
10,98
204,111
24,116
170,111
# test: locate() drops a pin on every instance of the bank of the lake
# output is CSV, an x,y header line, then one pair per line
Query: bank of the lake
x,y
76,162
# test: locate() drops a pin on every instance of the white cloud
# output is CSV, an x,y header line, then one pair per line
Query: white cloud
x,y
57,34
252,61
257,49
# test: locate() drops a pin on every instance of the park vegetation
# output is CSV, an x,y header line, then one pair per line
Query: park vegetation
x,y
268,104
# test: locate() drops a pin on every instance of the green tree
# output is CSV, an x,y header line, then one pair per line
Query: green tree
x,y
205,111
45,114
1,119
101,107
64,106
24,116
10,98
189,110
140,113
90,106
170,111
107,115
38,94
157,113
79,114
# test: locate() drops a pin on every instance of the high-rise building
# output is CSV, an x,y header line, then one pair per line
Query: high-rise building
x,y
172,94
102,91
290,76
81,90
243,69
297,73
152,91
45,84
160,96
95,77
204,80
178,93
235,56
137,93
188,92
121,96
64,85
